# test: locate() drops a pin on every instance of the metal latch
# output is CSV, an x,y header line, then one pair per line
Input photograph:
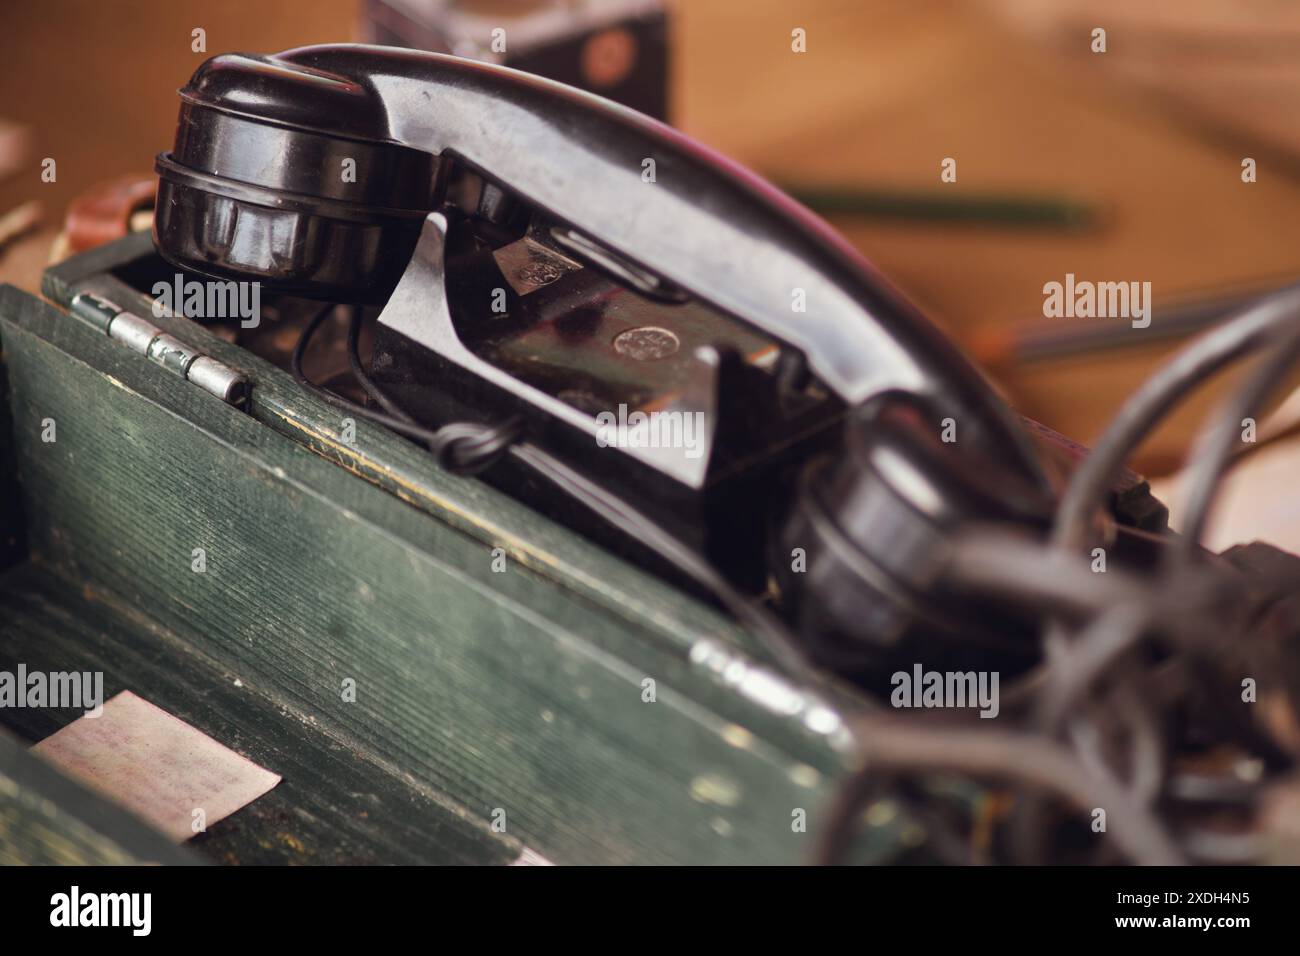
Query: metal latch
x,y
135,333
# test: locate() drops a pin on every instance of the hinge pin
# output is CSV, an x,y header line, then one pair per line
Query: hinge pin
x,y
138,335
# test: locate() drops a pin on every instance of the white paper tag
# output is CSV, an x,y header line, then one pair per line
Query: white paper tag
x,y
171,775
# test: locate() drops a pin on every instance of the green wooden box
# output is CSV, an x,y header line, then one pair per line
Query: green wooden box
x,y
516,687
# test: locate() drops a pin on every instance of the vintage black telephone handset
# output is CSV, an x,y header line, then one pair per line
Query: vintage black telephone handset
x,y
544,256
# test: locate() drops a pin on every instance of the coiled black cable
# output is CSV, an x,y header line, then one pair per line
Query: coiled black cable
x,y
465,448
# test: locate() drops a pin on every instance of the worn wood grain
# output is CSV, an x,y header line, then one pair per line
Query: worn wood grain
x,y
518,691
333,805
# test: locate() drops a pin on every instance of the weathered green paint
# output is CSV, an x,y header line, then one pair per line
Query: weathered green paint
x,y
520,690
333,805
13,544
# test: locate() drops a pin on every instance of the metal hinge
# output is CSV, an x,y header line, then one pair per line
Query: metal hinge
x,y
138,335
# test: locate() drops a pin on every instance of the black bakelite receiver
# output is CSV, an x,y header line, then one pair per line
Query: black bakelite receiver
x,y
257,187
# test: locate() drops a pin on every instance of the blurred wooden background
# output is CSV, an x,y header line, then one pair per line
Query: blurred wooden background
x,y
886,90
